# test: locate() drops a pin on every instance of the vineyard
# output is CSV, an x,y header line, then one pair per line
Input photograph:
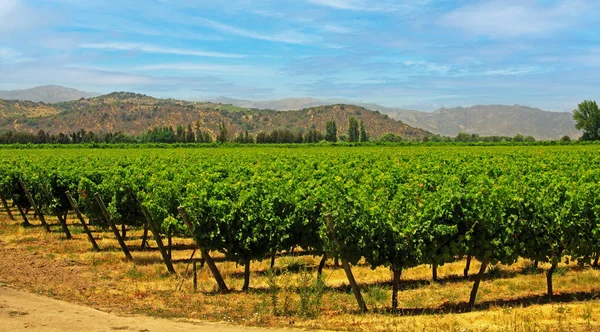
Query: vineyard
x,y
397,208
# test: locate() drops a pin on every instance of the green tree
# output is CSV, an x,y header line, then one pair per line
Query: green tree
x,y
180,136
331,131
353,133
189,134
363,132
587,116
462,137
223,133
518,138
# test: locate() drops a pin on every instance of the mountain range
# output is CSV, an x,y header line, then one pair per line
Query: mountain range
x,y
485,120
46,94
135,114
493,120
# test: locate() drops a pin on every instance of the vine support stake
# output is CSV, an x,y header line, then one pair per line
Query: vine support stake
x,y
23,215
467,267
395,286
10,215
86,229
145,236
205,255
61,219
156,234
35,207
195,276
476,285
346,266
114,228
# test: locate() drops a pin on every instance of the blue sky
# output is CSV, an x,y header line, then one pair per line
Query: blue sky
x,y
420,54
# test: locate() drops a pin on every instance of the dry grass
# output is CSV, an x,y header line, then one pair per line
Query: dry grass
x,y
509,299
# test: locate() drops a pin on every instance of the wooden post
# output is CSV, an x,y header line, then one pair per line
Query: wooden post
x,y
23,215
63,221
157,238
395,286
35,207
145,236
476,285
322,264
195,277
170,241
467,267
273,253
549,279
109,221
80,217
346,266
205,255
246,275
6,207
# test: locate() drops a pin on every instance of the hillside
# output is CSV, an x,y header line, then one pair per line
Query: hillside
x,y
46,94
135,114
488,120
291,104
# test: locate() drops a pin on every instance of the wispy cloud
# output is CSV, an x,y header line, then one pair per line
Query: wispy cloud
x,y
8,53
336,28
514,71
289,36
372,6
17,17
206,67
11,56
513,18
145,48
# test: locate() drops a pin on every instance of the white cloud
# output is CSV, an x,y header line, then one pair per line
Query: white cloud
x,y
290,36
116,46
11,56
7,6
205,67
514,71
16,17
427,66
512,18
336,28
8,53
372,6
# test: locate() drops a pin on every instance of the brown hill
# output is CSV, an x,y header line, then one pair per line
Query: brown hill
x,y
135,114
490,120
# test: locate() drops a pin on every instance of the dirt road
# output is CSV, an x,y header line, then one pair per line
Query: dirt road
x,y
21,311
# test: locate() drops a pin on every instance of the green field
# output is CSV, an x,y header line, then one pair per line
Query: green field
x,y
389,207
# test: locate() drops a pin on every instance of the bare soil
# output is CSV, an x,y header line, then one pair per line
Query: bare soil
x,y
22,311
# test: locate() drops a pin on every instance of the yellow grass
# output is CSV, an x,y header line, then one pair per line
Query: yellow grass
x,y
46,263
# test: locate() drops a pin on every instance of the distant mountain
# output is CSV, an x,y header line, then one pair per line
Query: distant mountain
x,y
294,104
135,113
489,120
46,94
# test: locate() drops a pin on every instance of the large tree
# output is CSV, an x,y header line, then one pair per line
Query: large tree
x,y
353,133
363,132
587,116
331,131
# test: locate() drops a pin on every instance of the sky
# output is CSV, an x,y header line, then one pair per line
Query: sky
x,y
420,54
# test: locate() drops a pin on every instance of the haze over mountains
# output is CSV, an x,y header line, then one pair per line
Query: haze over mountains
x,y
135,114
493,120
46,94
485,120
